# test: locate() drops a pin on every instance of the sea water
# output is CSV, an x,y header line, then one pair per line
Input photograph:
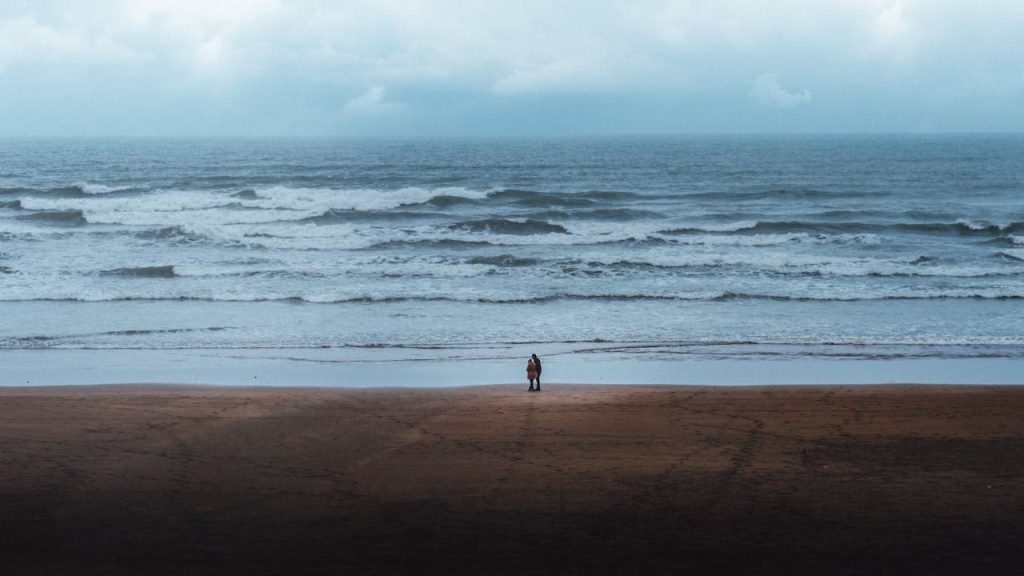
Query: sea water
x,y
667,250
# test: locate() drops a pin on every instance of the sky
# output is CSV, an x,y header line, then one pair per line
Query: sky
x,y
385,68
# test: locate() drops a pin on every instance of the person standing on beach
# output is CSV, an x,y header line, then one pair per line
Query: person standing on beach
x,y
531,373
536,362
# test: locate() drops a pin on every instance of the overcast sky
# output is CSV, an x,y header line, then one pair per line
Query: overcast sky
x,y
259,68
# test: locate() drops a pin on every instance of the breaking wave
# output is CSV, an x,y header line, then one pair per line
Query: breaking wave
x,y
559,199
559,296
56,217
504,261
504,226
964,228
142,272
779,194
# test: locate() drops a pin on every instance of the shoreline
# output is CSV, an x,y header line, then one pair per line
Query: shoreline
x,y
136,387
596,479
355,368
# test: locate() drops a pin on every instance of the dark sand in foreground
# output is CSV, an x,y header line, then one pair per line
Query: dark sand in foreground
x,y
574,480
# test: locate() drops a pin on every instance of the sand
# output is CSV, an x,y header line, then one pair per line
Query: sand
x,y
495,480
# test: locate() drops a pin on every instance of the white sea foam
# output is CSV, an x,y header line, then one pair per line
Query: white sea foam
x,y
729,227
323,199
272,204
157,209
788,262
353,265
981,225
973,225
95,189
745,240
145,290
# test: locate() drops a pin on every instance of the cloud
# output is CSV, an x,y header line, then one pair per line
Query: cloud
x,y
27,42
682,61
570,73
767,90
371,103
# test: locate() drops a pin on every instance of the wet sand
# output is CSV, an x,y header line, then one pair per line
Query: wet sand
x,y
494,480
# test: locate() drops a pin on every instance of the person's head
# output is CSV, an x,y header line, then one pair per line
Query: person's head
x,y
534,356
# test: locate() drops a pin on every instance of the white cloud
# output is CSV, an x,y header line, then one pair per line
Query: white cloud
x,y
25,41
571,73
890,24
767,90
504,46
371,103
214,56
276,56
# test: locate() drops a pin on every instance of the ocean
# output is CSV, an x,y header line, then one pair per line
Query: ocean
x,y
638,249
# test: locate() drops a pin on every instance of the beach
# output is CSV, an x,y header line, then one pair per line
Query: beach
x,y
270,274
162,479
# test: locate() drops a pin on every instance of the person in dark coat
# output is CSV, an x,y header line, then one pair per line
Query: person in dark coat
x,y
536,361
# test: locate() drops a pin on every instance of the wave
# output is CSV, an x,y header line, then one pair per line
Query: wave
x,y
142,272
851,348
1007,240
1017,255
81,190
769,266
169,233
11,204
504,261
786,264
97,189
937,295
714,296
850,214
449,200
559,199
504,226
264,205
779,193
359,199
637,239
343,216
756,240
704,228
162,331
57,217
56,192
963,228
611,214
6,270
428,243
47,341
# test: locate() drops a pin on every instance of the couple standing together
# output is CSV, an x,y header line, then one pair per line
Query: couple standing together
x,y
533,372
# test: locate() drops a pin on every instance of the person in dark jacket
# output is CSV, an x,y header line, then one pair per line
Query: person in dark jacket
x,y
537,362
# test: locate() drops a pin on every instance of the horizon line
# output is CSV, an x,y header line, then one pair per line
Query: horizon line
x,y
471,136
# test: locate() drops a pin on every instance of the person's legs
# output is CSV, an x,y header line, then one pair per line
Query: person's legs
x,y
538,381
531,385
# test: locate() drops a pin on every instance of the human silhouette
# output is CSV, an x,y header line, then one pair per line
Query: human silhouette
x,y
536,362
532,374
